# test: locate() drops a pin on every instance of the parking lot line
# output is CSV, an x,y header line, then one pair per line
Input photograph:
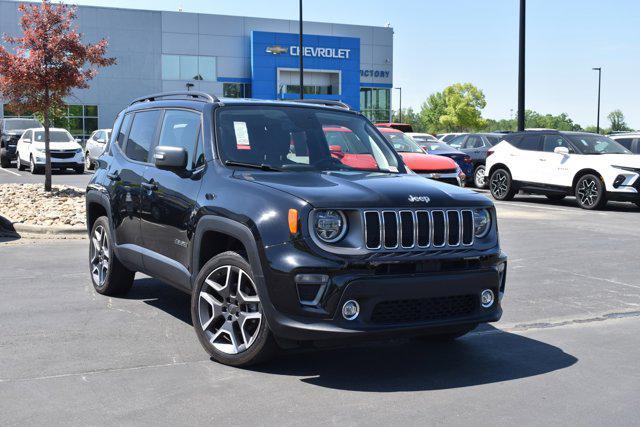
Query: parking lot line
x,y
11,172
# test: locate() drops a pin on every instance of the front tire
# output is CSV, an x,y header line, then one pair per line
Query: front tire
x,y
227,313
590,192
88,164
478,177
5,162
19,164
501,185
33,168
108,275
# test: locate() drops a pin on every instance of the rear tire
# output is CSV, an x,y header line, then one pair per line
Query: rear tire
x,y
108,275
478,177
590,192
227,313
5,162
448,336
501,185
555,197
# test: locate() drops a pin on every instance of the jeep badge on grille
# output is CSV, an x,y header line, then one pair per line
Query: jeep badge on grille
x,y
424,199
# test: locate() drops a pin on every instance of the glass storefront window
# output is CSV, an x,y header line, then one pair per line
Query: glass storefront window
x,y
375,103
236,90
80,120
187,67
170,67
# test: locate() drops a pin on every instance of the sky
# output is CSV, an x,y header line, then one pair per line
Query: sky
x,y
437,43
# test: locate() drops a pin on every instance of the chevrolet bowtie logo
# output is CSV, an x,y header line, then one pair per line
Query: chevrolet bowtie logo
x,y
276,50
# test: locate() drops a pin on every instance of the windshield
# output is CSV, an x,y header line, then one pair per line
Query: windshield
x,y
435,146
21,124
597,144
423,138
402,143
54,136
300,139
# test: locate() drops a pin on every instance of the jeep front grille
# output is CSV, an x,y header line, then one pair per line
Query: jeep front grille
x,y
408,229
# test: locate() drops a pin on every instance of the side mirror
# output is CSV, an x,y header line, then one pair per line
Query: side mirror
x,y
336,150
170,157
561,150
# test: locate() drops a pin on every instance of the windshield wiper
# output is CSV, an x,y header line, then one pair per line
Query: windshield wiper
x,y
262,166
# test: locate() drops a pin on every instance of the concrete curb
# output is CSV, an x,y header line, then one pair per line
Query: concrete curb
x,y
42,230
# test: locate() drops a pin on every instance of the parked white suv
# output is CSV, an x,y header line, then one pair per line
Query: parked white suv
x,y
66,153
95,146
591,167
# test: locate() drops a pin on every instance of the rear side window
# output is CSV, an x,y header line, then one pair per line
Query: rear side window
x,y
553,141
124,129
456,142
141,135
625,142
474,141
529,142
180,128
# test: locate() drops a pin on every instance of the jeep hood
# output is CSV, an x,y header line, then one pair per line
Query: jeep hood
x,y
364,189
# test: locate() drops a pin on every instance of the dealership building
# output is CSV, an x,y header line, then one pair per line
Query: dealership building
x,y
229,56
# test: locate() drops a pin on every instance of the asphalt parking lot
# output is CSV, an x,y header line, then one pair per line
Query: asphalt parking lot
x,y
66,177
565,352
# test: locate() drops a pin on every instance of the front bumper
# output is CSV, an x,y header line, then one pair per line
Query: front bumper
x,y
391,304
449,178
60,163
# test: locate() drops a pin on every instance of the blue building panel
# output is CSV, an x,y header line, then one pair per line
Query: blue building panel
x,y
270,51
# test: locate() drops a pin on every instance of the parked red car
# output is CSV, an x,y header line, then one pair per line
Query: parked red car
x,y
404,127
439,168
345,146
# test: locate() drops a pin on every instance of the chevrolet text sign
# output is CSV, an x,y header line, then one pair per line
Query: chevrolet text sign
x,y
321,52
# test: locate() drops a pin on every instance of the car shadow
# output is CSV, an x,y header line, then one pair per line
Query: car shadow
x,y
161,296
570,202
487,355
490,356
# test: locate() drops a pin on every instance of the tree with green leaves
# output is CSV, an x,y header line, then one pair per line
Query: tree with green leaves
x,y
457,108
618,124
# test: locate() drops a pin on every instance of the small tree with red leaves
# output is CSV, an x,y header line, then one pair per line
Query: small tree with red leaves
x,y
48,62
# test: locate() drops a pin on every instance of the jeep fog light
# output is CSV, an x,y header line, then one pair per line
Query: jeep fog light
x,y
350,310
487,298
330,225
481,222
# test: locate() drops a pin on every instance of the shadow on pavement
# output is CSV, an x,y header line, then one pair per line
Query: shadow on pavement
x,y
570,202
163,297
487,356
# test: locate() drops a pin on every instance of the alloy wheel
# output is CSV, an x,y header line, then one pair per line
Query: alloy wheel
x,y
229,309
99,257
32,165
87,161
479,177
499,186
588,192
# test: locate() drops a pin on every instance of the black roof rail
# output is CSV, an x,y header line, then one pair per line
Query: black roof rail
x,y
327,102
200,96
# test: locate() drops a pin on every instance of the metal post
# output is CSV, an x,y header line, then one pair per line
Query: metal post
x,y
300,53
599,70
400,109
521,62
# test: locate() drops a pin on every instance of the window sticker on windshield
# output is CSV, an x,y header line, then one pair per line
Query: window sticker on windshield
x,y
242,135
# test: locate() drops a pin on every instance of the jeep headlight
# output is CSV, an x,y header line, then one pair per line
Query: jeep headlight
x,y
330,225
481,222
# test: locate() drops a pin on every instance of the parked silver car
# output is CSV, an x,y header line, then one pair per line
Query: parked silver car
x,y
95,146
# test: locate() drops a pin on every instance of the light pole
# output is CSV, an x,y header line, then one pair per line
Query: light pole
x,y
523,9
300,53
400,109
599,70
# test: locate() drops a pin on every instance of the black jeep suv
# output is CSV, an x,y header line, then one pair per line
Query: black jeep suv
x,y
11,129
241,204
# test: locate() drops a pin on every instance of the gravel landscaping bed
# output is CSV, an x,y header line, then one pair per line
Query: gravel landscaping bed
x,y
30,204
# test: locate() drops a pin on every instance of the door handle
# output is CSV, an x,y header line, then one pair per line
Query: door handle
x,y
113,176
151,185
543,160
